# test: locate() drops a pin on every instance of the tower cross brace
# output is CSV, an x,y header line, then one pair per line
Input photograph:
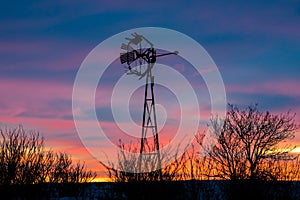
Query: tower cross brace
x,y
149,123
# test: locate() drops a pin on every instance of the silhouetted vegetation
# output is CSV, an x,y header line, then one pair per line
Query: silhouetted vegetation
x,y
148,185
25,161
127,169
249,142
250,158
251,151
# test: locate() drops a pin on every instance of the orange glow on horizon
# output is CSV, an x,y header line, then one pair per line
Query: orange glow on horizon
x,y
101,179
296,150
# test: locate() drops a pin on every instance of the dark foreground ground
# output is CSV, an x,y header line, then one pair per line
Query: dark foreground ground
x,y
157,190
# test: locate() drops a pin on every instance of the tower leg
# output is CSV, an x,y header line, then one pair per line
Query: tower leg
x,y
149,123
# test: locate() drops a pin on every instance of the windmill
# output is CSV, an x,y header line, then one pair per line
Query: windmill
x,y
140,56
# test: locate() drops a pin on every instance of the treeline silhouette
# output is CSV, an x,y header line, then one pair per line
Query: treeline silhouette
x,y
250,158
25,161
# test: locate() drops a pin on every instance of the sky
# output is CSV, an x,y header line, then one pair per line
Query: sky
x,y
255,45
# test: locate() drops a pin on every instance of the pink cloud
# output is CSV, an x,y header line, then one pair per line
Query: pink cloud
x,y
33,96
286,87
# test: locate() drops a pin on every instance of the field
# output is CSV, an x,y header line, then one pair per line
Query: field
x,y
158,190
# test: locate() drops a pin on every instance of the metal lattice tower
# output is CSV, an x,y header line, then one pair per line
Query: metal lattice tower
x,y
140,57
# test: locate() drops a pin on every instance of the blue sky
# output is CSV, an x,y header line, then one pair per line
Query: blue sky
x,y
255,44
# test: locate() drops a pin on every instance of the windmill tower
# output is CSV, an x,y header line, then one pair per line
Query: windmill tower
x,y
140,56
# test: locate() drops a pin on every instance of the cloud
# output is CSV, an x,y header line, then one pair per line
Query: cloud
x,y
29,98
289,88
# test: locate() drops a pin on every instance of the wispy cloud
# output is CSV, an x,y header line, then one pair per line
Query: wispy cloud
x,y
276,87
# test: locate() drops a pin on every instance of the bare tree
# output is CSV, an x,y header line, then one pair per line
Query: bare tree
x,y
247,140
20,156
228,155
24,160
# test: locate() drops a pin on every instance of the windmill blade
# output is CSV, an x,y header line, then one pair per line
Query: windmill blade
x,y
127,57
136,38
126,47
